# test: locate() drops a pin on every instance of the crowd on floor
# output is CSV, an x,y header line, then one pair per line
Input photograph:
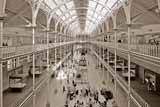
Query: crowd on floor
x,y
83,95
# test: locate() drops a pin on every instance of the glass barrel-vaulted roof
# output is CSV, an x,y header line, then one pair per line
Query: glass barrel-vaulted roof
x,y
83,14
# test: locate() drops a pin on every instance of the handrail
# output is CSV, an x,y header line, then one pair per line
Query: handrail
x,y
135,94
123,48
120,80
9,52
136,102
26,99
42,82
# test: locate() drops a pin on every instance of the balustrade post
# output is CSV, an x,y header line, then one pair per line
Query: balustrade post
x,y
55,40
100,54
1,64
60,53
103,59
107,50
115,59
158,51
146,49
108,61
18,61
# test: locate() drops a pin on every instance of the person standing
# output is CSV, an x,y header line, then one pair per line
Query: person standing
x,y
64,89
149,85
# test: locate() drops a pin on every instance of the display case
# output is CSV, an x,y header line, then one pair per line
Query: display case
x,y
37,72
17,79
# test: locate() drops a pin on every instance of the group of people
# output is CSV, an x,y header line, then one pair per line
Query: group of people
x,y
150,84
83,97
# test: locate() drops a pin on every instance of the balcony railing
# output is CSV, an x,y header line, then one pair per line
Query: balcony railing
x,y
10,51
135,97
144,49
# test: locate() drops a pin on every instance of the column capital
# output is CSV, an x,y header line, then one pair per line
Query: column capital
x,y
129,24
31,25
47,30
115,29
108,32
2,16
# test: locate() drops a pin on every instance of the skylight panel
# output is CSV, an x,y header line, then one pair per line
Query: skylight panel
x,y
63,17
90,12
87,22
104,11
94,20
95,15
45,7
70,19
92,4
58,1
67,15
99,7
74,17
102,1
50,3
89,17
110,3
58,12
63,8
99,18
73,12
70,5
